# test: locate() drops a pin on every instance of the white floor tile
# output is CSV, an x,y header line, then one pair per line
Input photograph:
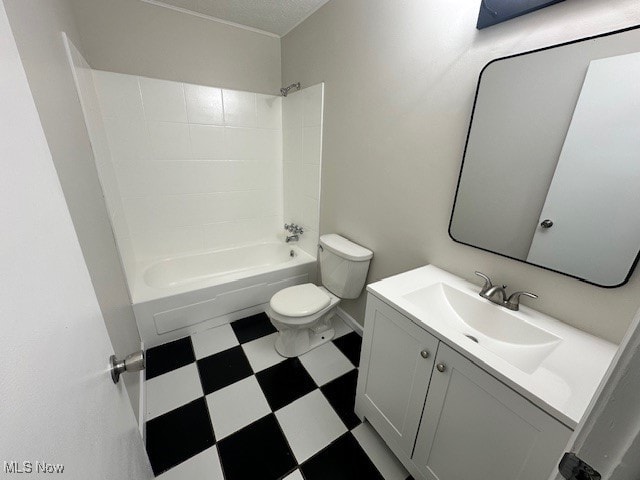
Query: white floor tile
x,y
172,390
384,460
310,424
236,406
213,341
204,466
294,476
326,363
262,352
340,327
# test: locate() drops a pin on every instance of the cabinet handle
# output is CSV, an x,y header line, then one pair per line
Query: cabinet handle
x,y
441,367
424,354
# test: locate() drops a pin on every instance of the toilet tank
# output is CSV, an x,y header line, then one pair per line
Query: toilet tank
x,y
343,265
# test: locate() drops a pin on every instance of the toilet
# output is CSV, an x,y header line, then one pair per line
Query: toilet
x,y
302,313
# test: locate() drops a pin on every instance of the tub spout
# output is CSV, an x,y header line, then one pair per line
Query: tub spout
x,y
292,238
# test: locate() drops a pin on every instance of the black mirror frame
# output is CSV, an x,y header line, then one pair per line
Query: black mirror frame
x,y
466,145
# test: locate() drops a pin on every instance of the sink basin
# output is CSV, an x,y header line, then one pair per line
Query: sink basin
x,y
505,333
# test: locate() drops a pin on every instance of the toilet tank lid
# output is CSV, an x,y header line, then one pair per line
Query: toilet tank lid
x,y
345,248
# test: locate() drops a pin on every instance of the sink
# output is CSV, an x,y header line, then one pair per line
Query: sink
x,y
505,333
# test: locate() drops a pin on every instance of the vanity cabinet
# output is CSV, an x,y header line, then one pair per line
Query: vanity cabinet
x,y
443,416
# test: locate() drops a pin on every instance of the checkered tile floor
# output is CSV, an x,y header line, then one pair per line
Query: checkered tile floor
x,y
222,404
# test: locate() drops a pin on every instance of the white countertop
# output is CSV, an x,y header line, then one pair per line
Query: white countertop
x,y
563,384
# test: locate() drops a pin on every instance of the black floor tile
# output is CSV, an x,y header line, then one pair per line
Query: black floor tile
x,y
258,451
350,345
178,435
285,382
222,369
341,394
168,357
252,327
344,459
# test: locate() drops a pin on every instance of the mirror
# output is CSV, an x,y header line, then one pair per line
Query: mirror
x,y
551,170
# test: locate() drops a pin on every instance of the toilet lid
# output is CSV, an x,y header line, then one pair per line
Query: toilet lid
x,y
299,301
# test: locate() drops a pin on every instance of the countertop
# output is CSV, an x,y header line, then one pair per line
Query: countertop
x,y
562,385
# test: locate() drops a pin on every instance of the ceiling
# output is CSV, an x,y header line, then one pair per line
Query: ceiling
x,y
277,17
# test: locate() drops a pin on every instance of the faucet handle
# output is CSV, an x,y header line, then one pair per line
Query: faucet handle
x,y
487,282
513,302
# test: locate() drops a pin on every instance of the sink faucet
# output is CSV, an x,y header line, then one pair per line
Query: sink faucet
x,y
490,291
493,291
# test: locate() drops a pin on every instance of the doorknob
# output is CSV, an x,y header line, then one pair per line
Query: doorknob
x,y
546,223
132,363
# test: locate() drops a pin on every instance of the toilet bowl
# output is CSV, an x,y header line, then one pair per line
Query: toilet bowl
x,y
303,314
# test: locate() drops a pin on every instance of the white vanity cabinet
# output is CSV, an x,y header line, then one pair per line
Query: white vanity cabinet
x,y
443,416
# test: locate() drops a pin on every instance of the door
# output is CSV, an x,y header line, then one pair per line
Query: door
x,y
593,197
59,405
473,426
396,365
608,435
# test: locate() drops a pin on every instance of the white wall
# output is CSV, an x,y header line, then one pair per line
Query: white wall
x,y
197,167
400,78
130,36
37,27
302,142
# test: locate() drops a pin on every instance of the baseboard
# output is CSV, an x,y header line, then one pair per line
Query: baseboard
x,y
142,400
349,320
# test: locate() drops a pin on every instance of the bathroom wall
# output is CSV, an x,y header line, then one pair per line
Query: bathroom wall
x,y
197,167
133,37
399,88
302,142
37,28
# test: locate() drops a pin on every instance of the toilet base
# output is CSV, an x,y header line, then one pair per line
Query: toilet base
x,y
292,342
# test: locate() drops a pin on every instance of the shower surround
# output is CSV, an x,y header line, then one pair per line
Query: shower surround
x,y
198,188
198,168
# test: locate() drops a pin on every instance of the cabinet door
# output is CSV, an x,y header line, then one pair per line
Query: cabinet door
x,y
474,426
395,369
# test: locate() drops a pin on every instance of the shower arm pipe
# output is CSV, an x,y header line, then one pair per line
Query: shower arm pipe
x,y
285,90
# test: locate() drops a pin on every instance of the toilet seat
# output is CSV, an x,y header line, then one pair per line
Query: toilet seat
x,y
310,319
299,301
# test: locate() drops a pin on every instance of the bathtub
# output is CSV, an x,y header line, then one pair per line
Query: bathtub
x,y
178,296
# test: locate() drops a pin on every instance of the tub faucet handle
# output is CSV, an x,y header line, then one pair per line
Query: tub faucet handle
x,y
293,228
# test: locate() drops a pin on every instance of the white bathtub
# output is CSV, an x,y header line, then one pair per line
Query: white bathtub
x,y
178,296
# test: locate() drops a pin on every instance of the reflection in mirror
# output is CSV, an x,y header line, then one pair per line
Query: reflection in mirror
x,y
551,173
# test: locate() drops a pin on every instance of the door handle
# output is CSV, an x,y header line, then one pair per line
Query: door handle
x,y
131,363
546,223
